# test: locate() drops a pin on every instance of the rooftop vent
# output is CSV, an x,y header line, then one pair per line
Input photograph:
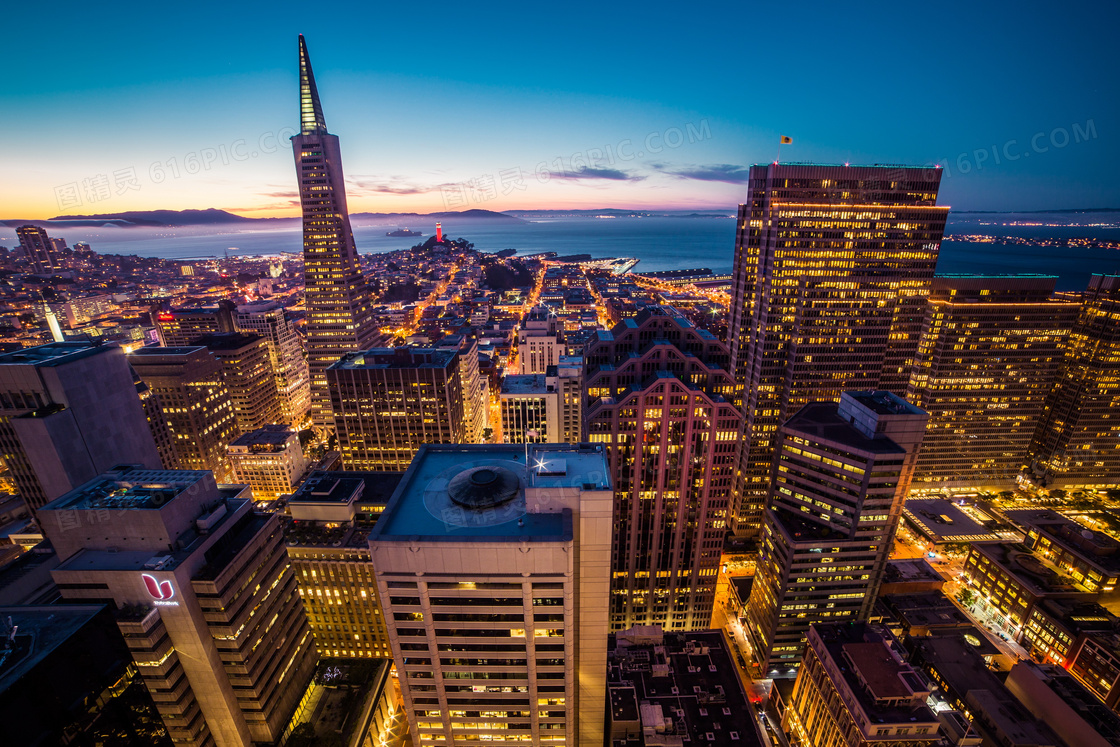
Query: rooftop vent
x,y
483,487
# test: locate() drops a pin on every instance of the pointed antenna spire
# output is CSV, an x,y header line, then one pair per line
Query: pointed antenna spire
x,y
310,110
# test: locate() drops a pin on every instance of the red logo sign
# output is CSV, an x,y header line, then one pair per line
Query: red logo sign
x,y
158,589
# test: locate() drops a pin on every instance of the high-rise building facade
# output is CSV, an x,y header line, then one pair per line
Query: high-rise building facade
x,y
181,327
37,248
538,341
388,402
285,348
205,594
990,350
157,422
331,517
494,581
335,292
659,398
69,411
269,460
832,268
838,483
543,408
476,388
247,370
195,400
855,690
1077,441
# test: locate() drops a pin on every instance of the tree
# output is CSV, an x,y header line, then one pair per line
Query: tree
x,y
966,597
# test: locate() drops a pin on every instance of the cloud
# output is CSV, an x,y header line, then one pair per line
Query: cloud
x,y
288,195
393,185
716,172
588,172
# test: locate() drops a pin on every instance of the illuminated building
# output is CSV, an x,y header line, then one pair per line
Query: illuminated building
x,y
206,598
476,387
1055,628
658,399
387,402
1011,580
547,404
195,401
67,678
285,348
37,248
181,327
1092,559
494,581
1078,436
1095,662
855,690
69,411
269,460
538,341
839,480
335,292
332,514
832,268
989,352
157,422
247,371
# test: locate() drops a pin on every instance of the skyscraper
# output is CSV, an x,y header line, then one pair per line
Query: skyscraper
x,y
494,578
832,268
660,399
1078,436
388,402
205,594
990,350
180,327
69,411
285,347
331,517
269,460
548,404
335,292
247,371
196,402
37,248
838,483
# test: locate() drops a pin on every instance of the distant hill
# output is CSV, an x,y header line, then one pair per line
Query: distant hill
x,y
214,217
207,217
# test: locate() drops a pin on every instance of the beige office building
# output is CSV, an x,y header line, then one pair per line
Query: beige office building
x,y
269,460
204,593
494,580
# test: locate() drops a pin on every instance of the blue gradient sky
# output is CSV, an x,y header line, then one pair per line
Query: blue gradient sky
x,y
427,96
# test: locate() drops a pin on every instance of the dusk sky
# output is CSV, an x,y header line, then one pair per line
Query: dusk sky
x,y
661,105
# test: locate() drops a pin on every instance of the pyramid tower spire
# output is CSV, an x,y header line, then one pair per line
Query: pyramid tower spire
x,y
310,110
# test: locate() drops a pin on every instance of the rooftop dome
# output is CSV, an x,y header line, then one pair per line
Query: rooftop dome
x,y
483,487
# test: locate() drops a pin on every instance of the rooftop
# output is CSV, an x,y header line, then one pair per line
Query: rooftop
x,y
677,686
130,489
885,403
274,436
39,630
524,384
886,687
821,420
329,486
423,507
1028,570
940,520
402,357
52,354
226,341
